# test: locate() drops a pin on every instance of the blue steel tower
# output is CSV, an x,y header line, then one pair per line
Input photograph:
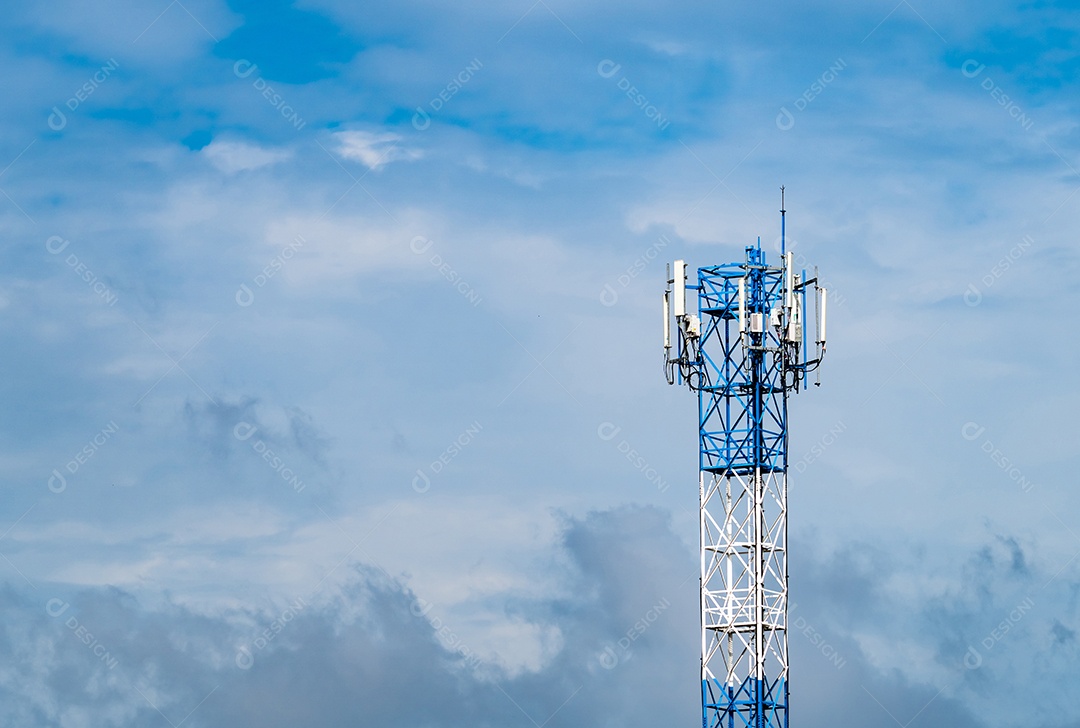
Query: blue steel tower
x,y
744,351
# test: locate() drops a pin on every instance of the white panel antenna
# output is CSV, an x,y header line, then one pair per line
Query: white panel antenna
x,y
679,279
667,320
824,298
742,305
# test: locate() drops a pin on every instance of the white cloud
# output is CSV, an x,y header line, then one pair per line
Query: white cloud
x,y
231,157
132,31
373,150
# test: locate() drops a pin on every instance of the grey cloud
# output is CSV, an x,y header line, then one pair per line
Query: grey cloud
x,y
1018,564
212,424
372,655
306,435
1062,635
369,656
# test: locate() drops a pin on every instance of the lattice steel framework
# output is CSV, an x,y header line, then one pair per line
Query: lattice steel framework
x,y
743,353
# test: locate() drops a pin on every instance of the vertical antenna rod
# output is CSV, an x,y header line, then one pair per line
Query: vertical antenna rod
x,y
783,224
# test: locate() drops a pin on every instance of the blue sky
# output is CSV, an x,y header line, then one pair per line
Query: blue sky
x,y
328,328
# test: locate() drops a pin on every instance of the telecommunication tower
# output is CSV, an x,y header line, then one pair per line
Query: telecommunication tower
x,y
743,351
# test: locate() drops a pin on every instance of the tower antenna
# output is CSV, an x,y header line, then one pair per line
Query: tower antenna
x,y
744,351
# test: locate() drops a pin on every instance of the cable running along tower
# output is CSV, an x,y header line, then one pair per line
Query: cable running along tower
x,y
744,350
